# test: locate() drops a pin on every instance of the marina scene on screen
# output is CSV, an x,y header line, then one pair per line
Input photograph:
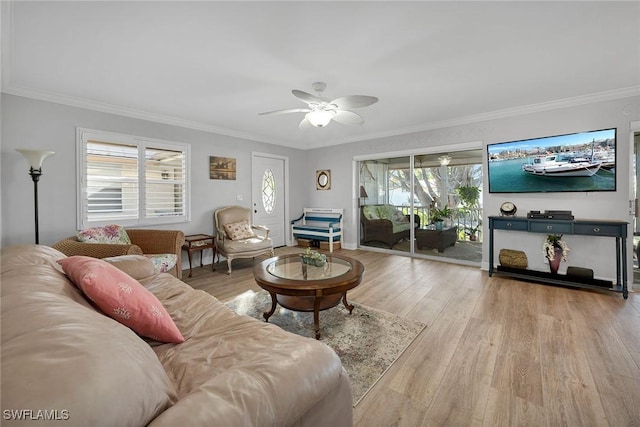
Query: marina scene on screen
x,y
583,161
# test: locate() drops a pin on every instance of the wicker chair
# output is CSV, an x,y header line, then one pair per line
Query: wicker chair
x,y
143,242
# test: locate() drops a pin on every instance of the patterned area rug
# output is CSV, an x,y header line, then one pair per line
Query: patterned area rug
x,y
368,341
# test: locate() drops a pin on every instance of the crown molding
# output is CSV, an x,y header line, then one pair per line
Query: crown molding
x,y
509,112
205,127
129,112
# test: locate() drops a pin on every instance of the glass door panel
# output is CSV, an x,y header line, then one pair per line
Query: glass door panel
x,y
385,203
448,187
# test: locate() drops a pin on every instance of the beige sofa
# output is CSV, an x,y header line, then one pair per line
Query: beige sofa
x,y
66,362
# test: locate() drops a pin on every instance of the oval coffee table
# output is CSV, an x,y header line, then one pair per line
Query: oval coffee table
x,y
301,287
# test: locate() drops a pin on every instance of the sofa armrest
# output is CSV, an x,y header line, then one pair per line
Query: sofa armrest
x,y
71,246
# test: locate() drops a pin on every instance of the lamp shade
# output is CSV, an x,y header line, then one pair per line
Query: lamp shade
x,y
320,118
35,157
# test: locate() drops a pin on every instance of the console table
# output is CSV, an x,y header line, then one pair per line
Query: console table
x,y
583,227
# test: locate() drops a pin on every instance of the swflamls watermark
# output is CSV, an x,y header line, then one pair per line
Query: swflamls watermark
x,y
35,414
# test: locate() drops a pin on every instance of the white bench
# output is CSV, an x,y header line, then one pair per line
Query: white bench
x,y
319,224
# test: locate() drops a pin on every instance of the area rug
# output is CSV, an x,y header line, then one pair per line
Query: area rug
x,y
368,341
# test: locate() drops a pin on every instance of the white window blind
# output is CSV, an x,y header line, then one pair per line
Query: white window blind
x,y
164,182
129,180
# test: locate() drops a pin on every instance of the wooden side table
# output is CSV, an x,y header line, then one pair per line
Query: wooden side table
x,y
198,243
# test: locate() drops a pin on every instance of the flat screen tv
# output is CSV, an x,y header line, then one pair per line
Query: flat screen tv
x,y
573,162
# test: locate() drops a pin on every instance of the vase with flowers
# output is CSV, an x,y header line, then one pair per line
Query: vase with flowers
x,y
555,250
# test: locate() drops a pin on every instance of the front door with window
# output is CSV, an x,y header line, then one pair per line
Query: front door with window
x,y
269,197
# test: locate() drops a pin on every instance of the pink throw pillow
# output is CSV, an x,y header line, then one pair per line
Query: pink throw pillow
x,y
122,298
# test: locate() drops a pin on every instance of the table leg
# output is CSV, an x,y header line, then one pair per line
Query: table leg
x,y
213,260
189,256
349,307
316,316
274,303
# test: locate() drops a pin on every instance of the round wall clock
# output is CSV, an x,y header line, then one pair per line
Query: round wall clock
x,y
508,209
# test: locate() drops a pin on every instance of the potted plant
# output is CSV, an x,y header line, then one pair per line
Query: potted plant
x,y
472,231
469,195
439,215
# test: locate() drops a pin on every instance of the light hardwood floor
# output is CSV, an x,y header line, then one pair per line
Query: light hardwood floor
x,y
496,351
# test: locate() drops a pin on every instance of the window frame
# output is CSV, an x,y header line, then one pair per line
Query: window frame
x,y
83,135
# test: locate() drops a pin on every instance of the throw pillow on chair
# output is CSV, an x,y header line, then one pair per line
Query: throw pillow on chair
x,y
239,230
108,234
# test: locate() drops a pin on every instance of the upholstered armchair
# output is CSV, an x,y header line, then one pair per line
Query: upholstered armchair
x,y
143,242
236,237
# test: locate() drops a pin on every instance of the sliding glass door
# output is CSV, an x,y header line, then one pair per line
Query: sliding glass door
x,y
424,204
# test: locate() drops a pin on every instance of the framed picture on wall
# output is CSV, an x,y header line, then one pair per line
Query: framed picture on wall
x,y
222,168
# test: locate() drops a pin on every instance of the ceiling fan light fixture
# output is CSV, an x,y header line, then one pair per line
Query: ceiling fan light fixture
x,y
445,160
321,110
320,118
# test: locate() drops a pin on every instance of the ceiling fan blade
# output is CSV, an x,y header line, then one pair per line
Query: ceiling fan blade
x,y
290,110
306,97
354,101
348,118
305,124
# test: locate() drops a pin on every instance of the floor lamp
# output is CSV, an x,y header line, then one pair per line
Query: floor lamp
x,y
35,158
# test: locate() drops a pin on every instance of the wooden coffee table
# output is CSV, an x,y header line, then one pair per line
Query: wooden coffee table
x,y
301,287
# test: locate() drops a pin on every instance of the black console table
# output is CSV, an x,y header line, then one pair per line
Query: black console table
x,y
583,227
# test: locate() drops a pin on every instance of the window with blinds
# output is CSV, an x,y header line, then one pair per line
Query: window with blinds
x,y
129,180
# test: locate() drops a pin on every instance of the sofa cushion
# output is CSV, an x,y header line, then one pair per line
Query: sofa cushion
x,y
107,234
239,369
370,212
138,267
246,245
121,297
399,227
59,353
386,212
239,230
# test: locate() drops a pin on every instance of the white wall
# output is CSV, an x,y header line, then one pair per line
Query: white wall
x,y
598,254
28,123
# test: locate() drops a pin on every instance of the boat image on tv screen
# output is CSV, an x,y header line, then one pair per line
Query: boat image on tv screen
x,y
583,161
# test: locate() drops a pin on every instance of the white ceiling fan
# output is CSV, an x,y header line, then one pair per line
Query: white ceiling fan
x,y
321,110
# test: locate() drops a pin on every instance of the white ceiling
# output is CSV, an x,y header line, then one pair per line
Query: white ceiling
x,y
216,65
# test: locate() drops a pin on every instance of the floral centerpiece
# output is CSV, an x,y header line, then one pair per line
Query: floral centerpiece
x,y
313,258
555,249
